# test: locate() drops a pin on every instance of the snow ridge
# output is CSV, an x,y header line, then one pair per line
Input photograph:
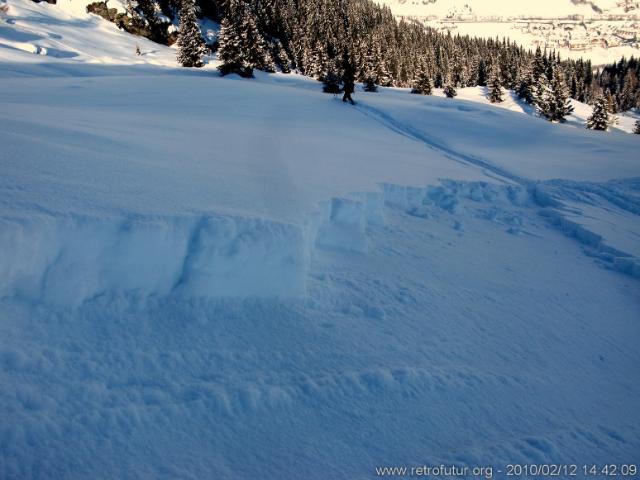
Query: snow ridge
x,y
68,260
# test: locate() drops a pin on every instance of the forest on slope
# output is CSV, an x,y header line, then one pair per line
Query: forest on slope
x,y
316,37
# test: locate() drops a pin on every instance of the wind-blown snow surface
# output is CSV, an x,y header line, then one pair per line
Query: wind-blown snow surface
x,y
205,277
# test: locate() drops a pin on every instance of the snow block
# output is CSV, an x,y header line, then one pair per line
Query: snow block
x,y
572,229
344,229
373,207
66,260
395,195
410,199
628,265
240,257
444,198
489,193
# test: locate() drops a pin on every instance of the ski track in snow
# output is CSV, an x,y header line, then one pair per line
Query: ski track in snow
x,y
409,132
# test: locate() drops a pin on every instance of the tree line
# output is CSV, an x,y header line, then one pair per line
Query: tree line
x,y
325,38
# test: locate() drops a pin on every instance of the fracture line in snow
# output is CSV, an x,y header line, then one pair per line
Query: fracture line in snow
x,y
550,199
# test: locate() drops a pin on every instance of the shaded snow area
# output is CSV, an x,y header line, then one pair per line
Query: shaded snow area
x,y
205,277
65,31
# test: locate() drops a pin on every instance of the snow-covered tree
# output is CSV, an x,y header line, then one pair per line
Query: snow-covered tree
x,y
538,65
331,79
449,88
637,127
258,51
561,101
422,84
370,73
282,58
525,88
495,88
552,96
242,46
191,47
599,119
232,51
369,85
382,71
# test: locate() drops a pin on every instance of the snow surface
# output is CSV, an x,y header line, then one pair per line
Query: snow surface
x,y
205,277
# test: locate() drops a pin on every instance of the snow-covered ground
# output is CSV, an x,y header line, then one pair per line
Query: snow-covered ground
x,y
205,277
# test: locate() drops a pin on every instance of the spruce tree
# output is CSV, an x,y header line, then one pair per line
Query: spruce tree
x,y
382,72
331,79
422,84
158,32
561,103
254,43
283,59
538,64
525,89
482,73
369,85
370,75
232,52
449,89
599,119
242,46
540,90
552,97
495,89
191,47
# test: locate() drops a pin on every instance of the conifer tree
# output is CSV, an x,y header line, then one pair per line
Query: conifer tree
x,y
191,47
283,59
370,75
422,84
382,72
560,102
538,63
258,52
242,46
599,119
495,89
552,98
482,73
232,51
157,29
525,88
331,79
449,89
369,85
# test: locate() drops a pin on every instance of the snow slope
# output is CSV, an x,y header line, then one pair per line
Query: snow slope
x,y
205,277
66,31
